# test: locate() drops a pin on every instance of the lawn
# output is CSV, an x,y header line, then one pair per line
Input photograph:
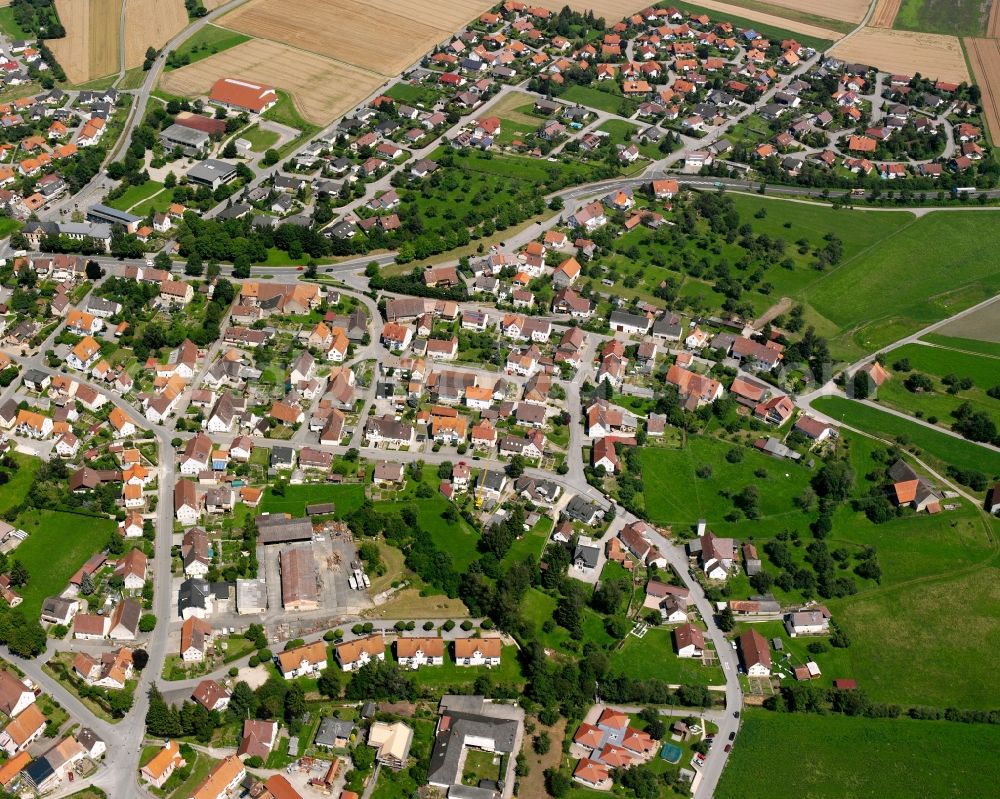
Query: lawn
x,y
537,607
652,657
530,544
886,292
458,540
260,139
136,194
347,498
675,495
941,448
954,17
209,40
447,676
8,224
57,545
480,765
618,130
419,94
13,491
792,756
593,98
967,344
199,771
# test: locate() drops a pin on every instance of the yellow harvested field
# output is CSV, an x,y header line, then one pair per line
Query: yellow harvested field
x,y
211,5
321,88
151,23
932,55
885,13
984,55
845,10
90,47
378,35
993,23
731,10
611,10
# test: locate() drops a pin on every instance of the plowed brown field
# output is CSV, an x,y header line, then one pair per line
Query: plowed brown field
x,y
322,88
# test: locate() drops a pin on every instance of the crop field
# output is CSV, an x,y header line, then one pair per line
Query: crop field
x,y
885,13
770,25
886,292
932,55
939,448
791,756
927,642
821,13
984,56
611,10
57,545
323,89
151,23
652,657
993,21
377,36
90,48
982,325
959,17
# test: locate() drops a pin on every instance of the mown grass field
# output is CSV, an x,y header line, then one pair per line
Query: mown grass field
x,y
209,40
593,98
675,495
653,657
966,344
57,545
889,291
458,540
793,756
937,362
136,194
928,642
538,607
940,448
12,492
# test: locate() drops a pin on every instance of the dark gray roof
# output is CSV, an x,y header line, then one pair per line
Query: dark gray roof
x,y
588,554
447,754
279,530
330,729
